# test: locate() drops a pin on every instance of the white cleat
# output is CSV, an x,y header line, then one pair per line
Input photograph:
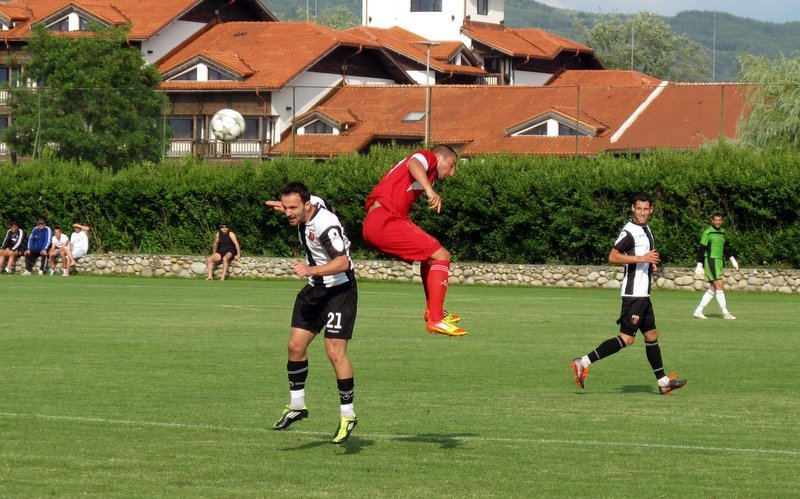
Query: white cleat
x,y
729,317
699,315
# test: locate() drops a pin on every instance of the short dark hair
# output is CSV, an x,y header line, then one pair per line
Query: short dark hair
x,y
445,150
717,214
296,187
642,197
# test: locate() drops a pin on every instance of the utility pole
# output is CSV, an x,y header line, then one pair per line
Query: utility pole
x,y
428,45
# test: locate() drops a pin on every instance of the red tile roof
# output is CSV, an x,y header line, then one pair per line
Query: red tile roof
x,y
616,78
147,17
518,42
684,116
479,117
275,52
406,43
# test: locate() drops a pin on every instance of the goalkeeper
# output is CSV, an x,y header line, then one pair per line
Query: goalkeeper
x,y
711,253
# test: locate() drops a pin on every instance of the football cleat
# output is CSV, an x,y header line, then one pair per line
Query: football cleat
x,y
289,416
580,371
444,327
699,314
673,384
451,318
346,426
729,317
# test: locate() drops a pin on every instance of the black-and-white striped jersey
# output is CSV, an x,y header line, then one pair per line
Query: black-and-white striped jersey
x,y
635,240
324,239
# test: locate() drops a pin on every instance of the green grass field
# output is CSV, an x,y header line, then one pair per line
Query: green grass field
x,y
157,387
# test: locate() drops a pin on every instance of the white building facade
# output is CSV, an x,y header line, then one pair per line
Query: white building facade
x,y
432,19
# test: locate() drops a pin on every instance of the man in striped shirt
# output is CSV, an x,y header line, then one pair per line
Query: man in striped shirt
x,y
635,249
329,300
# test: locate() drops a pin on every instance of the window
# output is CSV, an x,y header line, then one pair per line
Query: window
x,y
414,116
3,124
214,75
5,75
426,5
181,128
538,130
565,130
250,129
483,7
62,25
318,127
189,75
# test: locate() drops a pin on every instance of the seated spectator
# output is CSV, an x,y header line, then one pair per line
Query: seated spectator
x,y
59,242
77,247
38,247
226,248
12,248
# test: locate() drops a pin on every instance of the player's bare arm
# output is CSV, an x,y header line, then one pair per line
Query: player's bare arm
x,y
338,264
618,258
275,205
420,175
235,242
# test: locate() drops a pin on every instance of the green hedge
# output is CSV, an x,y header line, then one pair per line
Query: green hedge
x,y
496,209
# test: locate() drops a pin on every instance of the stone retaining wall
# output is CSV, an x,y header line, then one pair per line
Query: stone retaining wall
x,y
767,280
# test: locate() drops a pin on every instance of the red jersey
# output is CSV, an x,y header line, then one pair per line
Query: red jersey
x,y
398,190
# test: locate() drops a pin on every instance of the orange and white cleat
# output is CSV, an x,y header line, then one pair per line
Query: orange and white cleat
x,y
672,384
451,318
444,327
580,371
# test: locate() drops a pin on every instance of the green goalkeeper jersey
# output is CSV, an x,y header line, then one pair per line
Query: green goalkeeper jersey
x,y
712,244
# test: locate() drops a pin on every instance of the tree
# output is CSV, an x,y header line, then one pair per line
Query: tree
x,y
775,99
339,17
95,100
646,43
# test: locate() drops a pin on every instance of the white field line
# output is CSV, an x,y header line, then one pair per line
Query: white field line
x,y
431,438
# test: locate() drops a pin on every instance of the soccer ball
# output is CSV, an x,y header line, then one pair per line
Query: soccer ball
x,y
227,125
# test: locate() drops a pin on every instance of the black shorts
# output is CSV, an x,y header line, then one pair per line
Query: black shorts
x,y
332,308
636,314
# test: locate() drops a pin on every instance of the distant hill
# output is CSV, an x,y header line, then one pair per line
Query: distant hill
x,y
734,35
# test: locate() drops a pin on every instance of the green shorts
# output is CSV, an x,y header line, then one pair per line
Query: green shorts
x,y
713,268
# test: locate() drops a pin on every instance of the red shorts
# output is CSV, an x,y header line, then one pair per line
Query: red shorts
x,y
398,236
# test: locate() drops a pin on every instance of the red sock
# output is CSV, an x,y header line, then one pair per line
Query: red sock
x,y
437,288
424,270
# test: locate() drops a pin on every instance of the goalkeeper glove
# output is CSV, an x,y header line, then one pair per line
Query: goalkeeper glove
x,y
698,271
734,263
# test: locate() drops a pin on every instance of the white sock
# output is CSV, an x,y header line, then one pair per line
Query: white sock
x,y
663,381
723,303
298,399
585,362
347,411
705,300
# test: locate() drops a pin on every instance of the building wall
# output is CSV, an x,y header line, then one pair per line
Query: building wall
x,y
168,38
444,25
528,78
305,91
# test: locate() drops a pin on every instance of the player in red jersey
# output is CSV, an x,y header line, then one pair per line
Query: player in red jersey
x,y
388,228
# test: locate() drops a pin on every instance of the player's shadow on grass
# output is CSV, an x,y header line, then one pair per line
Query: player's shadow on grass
x,y
444,441
354,445
636,389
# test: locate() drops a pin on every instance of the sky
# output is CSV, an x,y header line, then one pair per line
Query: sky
x,y
776,11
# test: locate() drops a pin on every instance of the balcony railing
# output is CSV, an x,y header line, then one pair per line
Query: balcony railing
x,y
242,148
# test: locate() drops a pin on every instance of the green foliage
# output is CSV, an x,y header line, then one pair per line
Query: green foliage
x,y
496,208
339,17
775,117
645,42
110,116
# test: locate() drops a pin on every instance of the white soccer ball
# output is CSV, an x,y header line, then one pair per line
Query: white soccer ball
x,y
227,125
